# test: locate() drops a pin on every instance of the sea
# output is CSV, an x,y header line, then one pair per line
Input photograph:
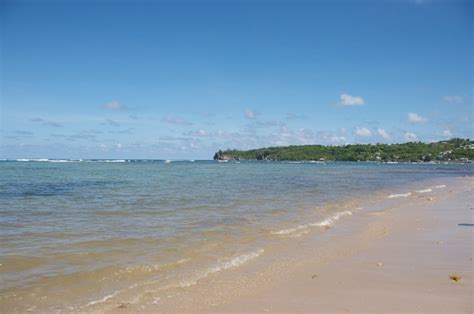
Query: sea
x,y
79,234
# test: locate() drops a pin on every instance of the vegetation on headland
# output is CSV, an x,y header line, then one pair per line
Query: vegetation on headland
x,y
460,150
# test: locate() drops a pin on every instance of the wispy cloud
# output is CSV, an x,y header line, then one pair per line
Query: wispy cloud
x,y
46,122
454,99
382,133
362,132
112,123
264,124
351,101
447,133
114,105
199,133
250,114
18,135
409,136
22,133
294,116
416,118
175,121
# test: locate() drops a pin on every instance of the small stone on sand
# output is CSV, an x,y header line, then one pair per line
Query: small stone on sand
x,y
379,264
455,278
122,305
314,276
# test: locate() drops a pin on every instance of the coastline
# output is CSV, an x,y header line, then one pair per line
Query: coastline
x,y
405,266
353,250
395,260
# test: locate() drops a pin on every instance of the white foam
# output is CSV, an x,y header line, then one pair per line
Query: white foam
x,y
58,160
440,186
424,191
290,230
104,299
223,265
323,223
167,161
399,195
331,220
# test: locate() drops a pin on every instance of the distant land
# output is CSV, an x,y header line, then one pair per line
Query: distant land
x,y
456,149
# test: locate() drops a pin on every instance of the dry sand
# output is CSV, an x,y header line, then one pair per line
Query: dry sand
x,y
401,262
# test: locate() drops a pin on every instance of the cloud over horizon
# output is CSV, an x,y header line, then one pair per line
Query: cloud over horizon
x,y
454,99
46,122
413,117
351,101
175,121
115,105
362,132
410,136
250,114
382,133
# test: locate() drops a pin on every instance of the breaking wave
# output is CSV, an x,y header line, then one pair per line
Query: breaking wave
x,y
323,223
228,263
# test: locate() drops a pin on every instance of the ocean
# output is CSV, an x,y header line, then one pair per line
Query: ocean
x,y
80,234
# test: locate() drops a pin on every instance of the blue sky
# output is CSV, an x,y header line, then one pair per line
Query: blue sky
x,y
181,79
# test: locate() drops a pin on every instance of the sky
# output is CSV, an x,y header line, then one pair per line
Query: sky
x,y
182,79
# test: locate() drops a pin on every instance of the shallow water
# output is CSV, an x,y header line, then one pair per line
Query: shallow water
x,y
76,234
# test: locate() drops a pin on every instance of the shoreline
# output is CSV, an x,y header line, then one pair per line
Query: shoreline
x,y
404,265
396,259
284,272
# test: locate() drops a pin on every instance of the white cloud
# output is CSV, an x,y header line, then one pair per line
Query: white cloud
x,y
363,132
176,121
383,133
199,132
454,99
409,136
250,114
416,118
447,133
114,105
348,100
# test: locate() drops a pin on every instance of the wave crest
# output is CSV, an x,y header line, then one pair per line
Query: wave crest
x,y
323,223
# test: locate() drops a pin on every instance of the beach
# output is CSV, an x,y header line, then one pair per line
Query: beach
x,y
412,257
104,237
402,263
236,156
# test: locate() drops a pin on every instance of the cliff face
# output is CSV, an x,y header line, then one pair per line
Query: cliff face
x,y
220,155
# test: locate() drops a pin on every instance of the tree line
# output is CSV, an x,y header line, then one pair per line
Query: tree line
x,y
456,149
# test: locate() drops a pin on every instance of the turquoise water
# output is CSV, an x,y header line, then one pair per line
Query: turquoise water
x,y
98,228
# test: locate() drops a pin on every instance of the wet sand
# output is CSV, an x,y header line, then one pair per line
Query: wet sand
x,y
401,262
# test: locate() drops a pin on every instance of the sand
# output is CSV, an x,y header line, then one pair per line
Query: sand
x,y
401,262
393,255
